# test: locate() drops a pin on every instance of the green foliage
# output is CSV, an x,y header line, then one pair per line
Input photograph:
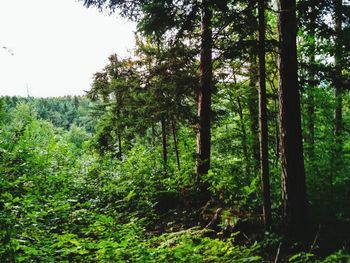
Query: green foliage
x,y
339,256
62,112
58,204
77,136
302,257
87,181
191,246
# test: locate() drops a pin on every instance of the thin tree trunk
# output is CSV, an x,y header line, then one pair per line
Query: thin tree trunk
x,y
253,98
277,131
276,124
311,124
310,94
119,129
338,113
120,153
292,160
264,156
153,135
176,146
204,94
244,138
254,112
164,140
338,96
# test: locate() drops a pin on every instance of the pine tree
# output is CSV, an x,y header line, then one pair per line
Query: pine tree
x,y
292,160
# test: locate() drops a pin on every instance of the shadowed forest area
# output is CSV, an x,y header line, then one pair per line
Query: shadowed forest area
x,y
223,137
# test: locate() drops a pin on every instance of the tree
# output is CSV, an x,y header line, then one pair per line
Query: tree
x,y
205,91
114,88
253,98
338,88
264,156
2,111
309,15
292,160
170,81
161,16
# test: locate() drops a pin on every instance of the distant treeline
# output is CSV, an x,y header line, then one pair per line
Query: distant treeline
x,y
63,112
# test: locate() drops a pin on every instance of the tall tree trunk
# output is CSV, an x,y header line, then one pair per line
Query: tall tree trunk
x,y
277,132
311,123
153,135
254,111
310,94
204,94
291,147
276,123
264,155
338,96
253,102
120,153
164,140
176,145
244,139
119,126
338,113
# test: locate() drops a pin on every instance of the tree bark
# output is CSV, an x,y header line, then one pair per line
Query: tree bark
x,y
164,140
311,124
204,94
310,94
291,148
120,153
338,113
153,135
254,112
244,140
119,125
176,146
264,156
276,141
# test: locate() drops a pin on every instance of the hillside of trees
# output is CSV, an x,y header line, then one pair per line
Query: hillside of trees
x,y
224,137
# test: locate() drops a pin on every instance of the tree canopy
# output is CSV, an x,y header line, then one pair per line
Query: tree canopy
x,y
222,137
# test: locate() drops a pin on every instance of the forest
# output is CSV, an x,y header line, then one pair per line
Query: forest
x,y
222,137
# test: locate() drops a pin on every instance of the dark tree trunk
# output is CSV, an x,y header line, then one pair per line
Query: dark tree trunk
x,y
277,133
204,94
254,112
338,113
276,141
164,140
310,138
264,156
119,128
311,124
120,153
244,139
253,102
153,135
338,96
291,147
176,146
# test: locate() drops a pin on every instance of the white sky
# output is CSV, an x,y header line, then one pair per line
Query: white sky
x,y
57,44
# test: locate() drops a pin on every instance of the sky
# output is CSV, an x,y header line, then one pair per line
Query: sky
x,y
53,47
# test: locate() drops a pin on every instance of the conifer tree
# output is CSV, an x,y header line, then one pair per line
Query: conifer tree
x,y
292,160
